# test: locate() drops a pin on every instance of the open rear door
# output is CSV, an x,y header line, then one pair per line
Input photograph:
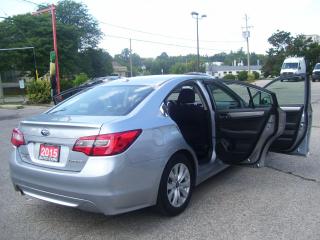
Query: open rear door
x,y
293,95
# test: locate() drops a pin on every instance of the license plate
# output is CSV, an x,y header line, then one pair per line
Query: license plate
x,y
49,153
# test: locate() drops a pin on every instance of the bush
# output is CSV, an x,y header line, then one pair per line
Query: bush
x,y
39,91
65,84
243,76
251,77
229,77
256,75
79,79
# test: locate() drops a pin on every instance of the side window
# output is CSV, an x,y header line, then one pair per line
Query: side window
x,y
289,91
222,99
261,99
242,92
252,97
176,97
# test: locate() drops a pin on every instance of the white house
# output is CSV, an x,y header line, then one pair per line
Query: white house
x,y
221,71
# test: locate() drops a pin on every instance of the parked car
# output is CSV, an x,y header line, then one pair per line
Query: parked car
x,y
316,73
90,83
293,65
143,141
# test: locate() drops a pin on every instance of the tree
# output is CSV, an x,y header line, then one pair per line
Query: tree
x,y
285,45
27,30
96,62
178,68
280,41
77,32
77,15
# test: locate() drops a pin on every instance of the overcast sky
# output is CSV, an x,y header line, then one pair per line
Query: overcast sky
x,y
220,31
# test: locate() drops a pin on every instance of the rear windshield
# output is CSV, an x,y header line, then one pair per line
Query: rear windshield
x,y
104,101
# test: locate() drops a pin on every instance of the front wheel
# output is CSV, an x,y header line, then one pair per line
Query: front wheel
x,y
176,185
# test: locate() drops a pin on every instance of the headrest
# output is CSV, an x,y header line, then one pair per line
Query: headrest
x,y
186,96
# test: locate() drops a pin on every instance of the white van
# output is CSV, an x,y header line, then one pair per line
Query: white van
x,y
293,65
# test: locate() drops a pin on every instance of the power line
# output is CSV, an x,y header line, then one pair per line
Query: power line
x,y
161,43
150,33
28,1
163,35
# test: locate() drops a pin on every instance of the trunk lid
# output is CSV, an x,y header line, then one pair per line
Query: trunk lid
x,y
60,132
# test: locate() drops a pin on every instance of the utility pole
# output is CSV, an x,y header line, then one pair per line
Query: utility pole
x,y
1,91
52,10
130,59
246,35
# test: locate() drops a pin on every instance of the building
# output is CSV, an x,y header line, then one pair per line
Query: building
x,y
315,37
221,71
120,70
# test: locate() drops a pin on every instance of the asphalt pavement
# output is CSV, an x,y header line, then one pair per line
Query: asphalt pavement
x,y
279,201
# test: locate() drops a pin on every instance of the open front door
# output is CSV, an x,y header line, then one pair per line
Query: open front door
x,y
247,121
293,95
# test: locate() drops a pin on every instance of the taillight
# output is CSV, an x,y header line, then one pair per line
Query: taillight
x,y
106,144
17,138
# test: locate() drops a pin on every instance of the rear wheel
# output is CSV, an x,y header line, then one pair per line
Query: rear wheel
x,y
176,185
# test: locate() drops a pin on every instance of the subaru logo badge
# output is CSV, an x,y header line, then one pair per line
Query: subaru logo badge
x,y
45,132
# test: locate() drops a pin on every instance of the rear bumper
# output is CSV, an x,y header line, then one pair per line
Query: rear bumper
x,y
316,76
110,185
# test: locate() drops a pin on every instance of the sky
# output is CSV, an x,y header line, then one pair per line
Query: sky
x,y
170,23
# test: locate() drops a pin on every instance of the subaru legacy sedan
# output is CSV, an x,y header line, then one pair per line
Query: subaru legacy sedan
x,y
144,141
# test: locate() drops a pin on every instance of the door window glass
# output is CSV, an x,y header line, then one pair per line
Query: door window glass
x,y
242,92
289,91
222,99
261,99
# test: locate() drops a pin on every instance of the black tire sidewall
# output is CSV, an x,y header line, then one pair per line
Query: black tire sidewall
x,y
163,203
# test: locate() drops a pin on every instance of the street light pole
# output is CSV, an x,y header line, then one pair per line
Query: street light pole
x,y
195,15
198,54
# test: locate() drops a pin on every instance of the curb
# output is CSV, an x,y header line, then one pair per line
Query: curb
x,y
11,106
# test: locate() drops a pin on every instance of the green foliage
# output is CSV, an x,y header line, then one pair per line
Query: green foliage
x,y
96,62
240,55
285,45
77,31
39,91
251,77
229,77
256,75
243,76
79,79
65,84
178,68
77,15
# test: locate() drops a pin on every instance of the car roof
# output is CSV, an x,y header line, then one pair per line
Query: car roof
x,y
154,80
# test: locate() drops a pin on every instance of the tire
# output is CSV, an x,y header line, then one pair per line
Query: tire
x,y
174,194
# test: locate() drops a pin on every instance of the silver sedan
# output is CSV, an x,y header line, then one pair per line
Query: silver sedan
x,y
144,141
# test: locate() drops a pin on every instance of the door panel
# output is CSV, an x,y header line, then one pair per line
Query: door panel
x,y
244,127
238,134
293,94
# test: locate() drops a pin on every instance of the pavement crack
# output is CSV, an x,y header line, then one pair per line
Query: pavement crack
x,y
293,174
